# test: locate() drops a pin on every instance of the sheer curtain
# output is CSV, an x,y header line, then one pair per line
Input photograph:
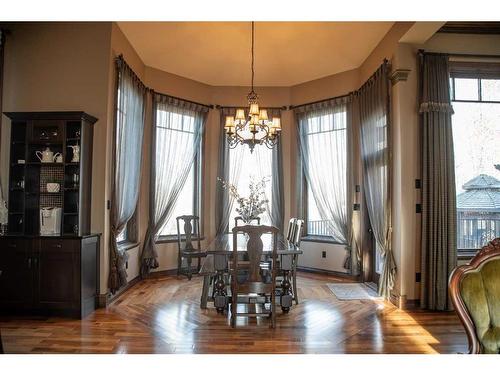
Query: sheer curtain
x,y
324,139
127,158
270,162
373,103
439,253
228,170
177,136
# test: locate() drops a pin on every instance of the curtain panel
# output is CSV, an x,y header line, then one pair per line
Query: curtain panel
x,y
2,49
276,208
227,171
126,163
178,130
373,103
324,133
439,253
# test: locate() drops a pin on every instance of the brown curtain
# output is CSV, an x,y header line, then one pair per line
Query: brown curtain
x,y
439,254
2,48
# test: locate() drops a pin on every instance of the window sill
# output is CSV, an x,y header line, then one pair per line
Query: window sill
x,y
321,239
127,245
466,254
173,238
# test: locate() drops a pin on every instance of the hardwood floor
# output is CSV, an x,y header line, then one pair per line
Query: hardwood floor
x,y
162,315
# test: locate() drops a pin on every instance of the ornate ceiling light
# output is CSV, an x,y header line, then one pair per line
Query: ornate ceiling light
x,y
255,128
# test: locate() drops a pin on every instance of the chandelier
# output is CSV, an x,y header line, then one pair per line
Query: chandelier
x,y
254,127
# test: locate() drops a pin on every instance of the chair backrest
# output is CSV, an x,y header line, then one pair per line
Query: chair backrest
x,y
291,229
239,218
297,233
254,248
191,225
475,293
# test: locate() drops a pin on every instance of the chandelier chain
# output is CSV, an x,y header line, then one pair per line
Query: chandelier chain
x,y
253,71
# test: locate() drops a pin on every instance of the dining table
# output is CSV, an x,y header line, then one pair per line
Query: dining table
x,y
215,270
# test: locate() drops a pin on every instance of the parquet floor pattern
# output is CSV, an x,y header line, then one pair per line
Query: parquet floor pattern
x,y
162,315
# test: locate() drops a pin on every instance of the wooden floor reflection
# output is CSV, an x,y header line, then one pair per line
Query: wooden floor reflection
x,y
162,315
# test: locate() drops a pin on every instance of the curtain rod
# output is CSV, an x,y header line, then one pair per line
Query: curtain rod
x,y
355,92
217,106
321,101
485,56
121,59
211,106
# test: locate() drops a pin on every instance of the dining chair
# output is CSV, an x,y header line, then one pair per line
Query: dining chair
x,y
185,247
249,280
291,228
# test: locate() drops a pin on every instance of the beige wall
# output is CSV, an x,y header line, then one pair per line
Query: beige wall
x,y
70,66
62,67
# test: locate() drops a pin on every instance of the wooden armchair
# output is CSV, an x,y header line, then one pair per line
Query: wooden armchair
x,y
255,283
188,251
475,293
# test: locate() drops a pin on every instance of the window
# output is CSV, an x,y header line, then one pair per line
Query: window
x,y
476,131
325,136
188,202
122,236
254,165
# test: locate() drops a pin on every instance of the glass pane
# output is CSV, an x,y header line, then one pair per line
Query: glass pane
x,y
476,131
326,139
466,89
379,260
255,166
123,235
183,206
490,89
315,226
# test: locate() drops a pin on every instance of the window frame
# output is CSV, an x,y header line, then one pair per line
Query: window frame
x,y
198,198
306,236
479,71
473,70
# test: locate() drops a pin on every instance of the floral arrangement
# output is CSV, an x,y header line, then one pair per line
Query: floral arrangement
x,y
252,206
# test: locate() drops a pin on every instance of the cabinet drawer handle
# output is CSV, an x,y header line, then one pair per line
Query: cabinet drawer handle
x,y
13,245
29,262
58,246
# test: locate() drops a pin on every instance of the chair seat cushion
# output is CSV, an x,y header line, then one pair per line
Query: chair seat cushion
x,y
491,341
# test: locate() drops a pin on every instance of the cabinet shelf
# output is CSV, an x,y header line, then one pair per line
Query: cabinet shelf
x,y
45,164
35,131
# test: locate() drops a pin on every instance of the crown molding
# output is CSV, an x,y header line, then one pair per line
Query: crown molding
x,y
399,75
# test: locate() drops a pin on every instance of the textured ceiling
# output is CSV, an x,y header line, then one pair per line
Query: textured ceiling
x,y
286,53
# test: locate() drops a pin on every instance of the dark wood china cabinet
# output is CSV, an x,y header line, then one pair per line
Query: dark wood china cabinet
x,y
49,258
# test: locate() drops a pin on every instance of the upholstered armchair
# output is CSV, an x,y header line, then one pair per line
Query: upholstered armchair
x,y
475,293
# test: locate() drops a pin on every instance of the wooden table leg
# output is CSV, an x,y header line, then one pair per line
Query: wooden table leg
x,y
204,292
220,295
286,294
220,292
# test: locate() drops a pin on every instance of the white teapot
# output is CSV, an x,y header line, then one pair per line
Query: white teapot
x,y
46,156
